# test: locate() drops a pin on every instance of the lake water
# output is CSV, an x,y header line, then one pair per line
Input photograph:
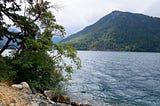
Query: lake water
x,y
117,79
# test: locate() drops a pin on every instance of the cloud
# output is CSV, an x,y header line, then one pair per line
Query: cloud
x,y
74,15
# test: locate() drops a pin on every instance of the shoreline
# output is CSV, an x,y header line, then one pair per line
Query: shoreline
x,y
22,95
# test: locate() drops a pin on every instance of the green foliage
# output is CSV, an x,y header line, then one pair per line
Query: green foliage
x,y
41,70
6,70
119,31
34,61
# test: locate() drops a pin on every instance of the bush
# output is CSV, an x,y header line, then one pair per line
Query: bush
x,y
37,68
6,70
43,71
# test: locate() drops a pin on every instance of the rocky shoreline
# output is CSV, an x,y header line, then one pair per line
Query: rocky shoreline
x,y
48,98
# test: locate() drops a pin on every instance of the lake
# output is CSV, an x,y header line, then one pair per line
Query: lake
x,y
117,79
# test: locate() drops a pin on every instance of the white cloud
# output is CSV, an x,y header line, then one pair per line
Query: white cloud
x,y
74,15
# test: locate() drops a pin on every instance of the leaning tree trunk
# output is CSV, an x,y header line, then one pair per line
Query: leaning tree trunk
x,y
5,46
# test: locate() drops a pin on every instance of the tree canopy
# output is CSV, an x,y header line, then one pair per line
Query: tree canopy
x,y
35,24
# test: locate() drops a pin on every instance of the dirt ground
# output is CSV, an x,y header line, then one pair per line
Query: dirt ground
x,y
10,96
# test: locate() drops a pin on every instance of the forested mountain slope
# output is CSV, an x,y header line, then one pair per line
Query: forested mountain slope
x,y
119,31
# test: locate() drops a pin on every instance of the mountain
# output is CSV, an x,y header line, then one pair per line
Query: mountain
x,y
56,39
119,31
4,39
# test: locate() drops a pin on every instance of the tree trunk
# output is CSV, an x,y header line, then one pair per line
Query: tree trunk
x,y
5,46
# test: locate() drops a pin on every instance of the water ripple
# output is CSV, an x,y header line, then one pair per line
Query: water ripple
x,y
118,79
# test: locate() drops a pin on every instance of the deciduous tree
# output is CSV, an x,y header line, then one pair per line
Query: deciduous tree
x,y
35,24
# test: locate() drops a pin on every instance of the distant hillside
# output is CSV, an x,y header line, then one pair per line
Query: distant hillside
x,y
4,39
120,31
56,39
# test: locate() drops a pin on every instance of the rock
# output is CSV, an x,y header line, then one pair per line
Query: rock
x,y
42,103
25,88
33,103
1,104
64,99
51,95
38,95
48,94
17,86
25,85
85,103
12,104
40,100
58,104
62,104
50,101
34,91
74,104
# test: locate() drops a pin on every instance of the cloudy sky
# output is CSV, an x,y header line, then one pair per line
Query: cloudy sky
x,y
74,15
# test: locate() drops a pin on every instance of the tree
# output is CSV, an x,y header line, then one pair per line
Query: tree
x,y
32,19
31,61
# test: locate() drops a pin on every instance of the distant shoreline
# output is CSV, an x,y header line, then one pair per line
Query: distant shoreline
x,y
10,50
121,51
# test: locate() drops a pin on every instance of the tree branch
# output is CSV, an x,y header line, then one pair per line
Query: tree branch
x,y
13,46
5,46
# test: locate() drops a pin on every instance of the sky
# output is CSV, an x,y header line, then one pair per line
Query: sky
x,y
75,15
